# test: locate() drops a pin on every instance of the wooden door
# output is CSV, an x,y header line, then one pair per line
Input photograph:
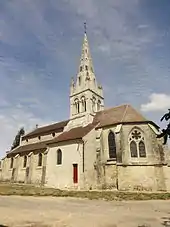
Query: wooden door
x,y
75,173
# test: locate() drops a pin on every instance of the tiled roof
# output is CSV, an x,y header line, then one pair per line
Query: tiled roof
x,y
120,114
75,133
57,127
117,115
29,148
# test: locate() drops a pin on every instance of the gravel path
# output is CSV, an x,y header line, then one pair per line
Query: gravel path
x,y
23,211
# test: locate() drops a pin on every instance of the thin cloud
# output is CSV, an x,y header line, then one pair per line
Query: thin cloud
x,y
40,49
157,102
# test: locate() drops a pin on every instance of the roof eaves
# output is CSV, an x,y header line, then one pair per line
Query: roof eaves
x,y
124,123
65,140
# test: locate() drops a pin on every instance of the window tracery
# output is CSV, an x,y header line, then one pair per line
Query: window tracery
x,y
137,144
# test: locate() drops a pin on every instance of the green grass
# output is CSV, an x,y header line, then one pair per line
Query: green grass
x,y
30,190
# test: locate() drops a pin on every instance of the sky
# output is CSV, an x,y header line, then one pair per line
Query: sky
x,y
40,47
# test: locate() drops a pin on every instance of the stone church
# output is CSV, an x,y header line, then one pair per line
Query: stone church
x,y
96,148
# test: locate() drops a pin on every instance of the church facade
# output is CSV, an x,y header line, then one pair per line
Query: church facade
x,y
96,148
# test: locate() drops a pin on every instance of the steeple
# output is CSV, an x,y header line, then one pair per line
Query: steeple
x,y
86,96
86,69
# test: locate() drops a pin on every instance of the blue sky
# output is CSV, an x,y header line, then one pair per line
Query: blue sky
x,y
40,46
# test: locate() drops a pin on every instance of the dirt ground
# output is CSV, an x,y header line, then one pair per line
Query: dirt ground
x,y
22,211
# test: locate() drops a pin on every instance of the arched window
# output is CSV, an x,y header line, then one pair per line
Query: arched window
x,y
59,157
12,163
25,161
94,104
112,145
83,102
79,79
77,106
142,151
133,149
137,144
40,157
98,105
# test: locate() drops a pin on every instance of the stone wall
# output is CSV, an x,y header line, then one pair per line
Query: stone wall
x,y
89,160
6,170
110,176
141,178
61,176
36,139
31,174
127,173
166,171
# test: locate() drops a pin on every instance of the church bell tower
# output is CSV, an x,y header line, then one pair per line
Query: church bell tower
x,y
86,96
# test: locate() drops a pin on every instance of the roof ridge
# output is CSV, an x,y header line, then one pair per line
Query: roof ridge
x,y
51,124
125,112
109,108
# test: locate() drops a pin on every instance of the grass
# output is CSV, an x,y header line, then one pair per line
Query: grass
x,y
30,190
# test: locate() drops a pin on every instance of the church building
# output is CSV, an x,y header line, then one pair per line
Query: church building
x,y
96,148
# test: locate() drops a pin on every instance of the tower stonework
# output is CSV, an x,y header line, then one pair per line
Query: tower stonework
x,y
86,95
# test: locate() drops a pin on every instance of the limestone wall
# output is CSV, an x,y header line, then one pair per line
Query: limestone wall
x,y
110,177
129,173
166,170
35,171
32,173
142,178
61,176
36,139
154,153
6,171
89,160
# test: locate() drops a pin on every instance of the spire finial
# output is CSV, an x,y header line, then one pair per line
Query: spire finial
x,y
85,28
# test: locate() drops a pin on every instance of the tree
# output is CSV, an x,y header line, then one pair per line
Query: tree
x,y
16,141
165,132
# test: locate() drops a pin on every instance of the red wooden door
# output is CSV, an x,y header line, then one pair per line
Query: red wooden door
x,y
75,173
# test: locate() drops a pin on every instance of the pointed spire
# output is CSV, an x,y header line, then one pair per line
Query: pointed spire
x,y
85,28
86,71
85,87
72,82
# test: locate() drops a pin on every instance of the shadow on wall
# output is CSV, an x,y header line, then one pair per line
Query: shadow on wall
x,y
3,225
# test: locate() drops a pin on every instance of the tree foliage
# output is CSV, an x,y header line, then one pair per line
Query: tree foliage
x,y
16,141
